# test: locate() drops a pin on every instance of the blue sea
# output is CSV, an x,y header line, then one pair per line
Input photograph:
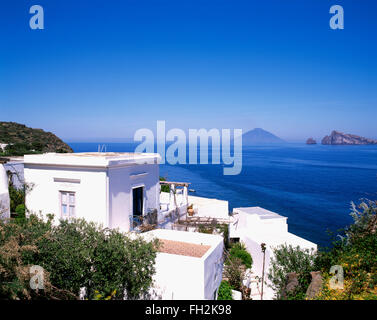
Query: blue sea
x,y
312,185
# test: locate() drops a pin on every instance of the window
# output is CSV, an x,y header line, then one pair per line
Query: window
x,y
67,204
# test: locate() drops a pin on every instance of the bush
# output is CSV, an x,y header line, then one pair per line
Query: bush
x,y
289,259
74,255
238,250
17,197
234,272
356,253
225,291
20,213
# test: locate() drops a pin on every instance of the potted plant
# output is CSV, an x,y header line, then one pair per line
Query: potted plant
x,y
190,210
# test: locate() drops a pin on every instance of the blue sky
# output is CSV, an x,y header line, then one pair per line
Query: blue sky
x,y
103,69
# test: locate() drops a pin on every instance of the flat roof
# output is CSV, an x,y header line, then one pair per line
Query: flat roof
x,y
92,159
260,212
183,248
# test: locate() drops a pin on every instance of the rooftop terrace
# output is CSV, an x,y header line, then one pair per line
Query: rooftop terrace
x,y
101,159
183,248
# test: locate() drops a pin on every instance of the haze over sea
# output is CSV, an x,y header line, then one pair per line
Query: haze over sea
x,y
312,185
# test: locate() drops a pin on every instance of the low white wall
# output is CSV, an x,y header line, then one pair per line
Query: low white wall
x,y
207,207
204,207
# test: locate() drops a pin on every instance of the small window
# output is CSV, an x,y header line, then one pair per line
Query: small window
x,y
67,203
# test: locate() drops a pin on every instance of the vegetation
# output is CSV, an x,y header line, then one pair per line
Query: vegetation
x,y
164,187
225,291
237,260
238,250
22,140
74,255
355,253
17,197
289,259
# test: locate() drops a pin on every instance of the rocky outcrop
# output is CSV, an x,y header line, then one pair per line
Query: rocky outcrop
x,y
339,138
311,141
315,286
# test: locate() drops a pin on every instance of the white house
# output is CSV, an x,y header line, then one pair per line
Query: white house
x,y
254,226
188,265
108,188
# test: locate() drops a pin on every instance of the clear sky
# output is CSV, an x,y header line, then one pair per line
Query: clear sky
x,y
103,69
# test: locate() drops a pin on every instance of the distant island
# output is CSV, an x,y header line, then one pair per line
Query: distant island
x,y
311,141
260,136
17,139
339,138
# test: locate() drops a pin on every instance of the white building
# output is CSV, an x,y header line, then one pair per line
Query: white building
x,y
254,226
108,188
188,265
115,189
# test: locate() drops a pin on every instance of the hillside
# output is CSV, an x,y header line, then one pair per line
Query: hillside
x,y
20,140
340,138
259,136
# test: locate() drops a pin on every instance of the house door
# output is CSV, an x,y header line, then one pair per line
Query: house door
x,y
137,196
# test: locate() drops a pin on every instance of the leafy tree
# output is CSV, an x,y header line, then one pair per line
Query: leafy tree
x,y
287,259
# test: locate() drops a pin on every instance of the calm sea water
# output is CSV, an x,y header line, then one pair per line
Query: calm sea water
x,y
311,185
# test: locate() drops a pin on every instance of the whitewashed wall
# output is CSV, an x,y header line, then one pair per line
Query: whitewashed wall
x,y
188,278
121,182
90,187
102,195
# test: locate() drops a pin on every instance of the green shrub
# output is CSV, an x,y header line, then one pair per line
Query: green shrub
x,y
238,250
73,254
356,252
289,259
225,291
234,272
20,213
17,197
